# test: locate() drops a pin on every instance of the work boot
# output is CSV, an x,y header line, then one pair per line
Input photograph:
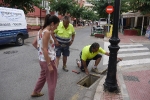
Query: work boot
x,y
78,62
95,70
65,68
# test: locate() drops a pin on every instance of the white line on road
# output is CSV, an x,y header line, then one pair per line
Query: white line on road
x,y
130,45
133,49
106,58
133,54
134,62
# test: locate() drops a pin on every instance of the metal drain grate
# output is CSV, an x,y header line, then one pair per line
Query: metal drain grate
x,y
10,52
130,78
148,82
88,81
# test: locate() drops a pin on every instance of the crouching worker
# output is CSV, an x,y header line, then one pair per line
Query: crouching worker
x,y
88,53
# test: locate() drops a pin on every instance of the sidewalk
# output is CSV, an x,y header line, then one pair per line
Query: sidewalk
x,y
133,86
133,81
124,39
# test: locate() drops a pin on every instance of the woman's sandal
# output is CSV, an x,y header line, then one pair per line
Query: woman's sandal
x,y
37,95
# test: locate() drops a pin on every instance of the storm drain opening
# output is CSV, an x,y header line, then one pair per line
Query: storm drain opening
x,y
88,80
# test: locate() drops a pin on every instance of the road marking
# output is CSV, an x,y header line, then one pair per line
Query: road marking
x,y
106,58
133,49
106,44
75,97
133,54
130,45
134,62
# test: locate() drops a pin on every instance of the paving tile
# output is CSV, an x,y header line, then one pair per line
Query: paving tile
x,y
138,90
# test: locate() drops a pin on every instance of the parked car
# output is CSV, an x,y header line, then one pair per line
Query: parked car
x,y
13,26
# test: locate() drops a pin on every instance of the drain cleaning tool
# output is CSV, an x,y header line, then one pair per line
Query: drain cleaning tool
x,y
75,72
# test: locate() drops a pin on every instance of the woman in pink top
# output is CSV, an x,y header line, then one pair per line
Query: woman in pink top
x,y
44,43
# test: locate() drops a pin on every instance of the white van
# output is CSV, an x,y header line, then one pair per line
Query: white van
x,y
102,21
13,26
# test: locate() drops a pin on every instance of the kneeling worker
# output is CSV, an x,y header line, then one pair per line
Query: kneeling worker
x,y
91,52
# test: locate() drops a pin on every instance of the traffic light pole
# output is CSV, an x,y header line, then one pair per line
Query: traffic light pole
x,y
111,81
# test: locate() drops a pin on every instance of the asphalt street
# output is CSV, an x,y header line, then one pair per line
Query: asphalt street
x,y
19,71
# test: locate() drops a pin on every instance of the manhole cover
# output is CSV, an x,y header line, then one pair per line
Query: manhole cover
x,y
88,80
131,78
149,82
10,52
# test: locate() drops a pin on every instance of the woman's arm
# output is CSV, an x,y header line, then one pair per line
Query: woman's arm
x,y
34,43
45,40
55,40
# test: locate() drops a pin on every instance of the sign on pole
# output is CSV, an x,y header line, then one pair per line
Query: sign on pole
x,y
109,9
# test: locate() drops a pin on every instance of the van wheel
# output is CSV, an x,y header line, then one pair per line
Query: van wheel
x,y
19,40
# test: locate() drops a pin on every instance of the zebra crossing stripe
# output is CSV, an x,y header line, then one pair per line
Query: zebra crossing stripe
x,y
133,49
121,50
133,54
106,58
131,45
134,62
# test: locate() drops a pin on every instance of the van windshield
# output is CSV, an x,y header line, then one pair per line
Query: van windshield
x,y
102,19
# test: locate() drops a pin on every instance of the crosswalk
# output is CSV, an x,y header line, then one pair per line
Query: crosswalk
x,y
132,54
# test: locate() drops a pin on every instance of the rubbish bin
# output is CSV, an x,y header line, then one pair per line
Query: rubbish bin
x,y
106,32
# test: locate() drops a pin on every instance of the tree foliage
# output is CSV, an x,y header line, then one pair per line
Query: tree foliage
x,y
126,5
61,6
89,15
139,5
76,11
26,5
100,6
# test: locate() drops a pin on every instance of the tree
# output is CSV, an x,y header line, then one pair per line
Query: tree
x,y
139,5
126,6
89,15
100,6
61,6
76,11
26,5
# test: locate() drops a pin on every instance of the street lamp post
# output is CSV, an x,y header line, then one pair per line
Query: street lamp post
x,y
111,81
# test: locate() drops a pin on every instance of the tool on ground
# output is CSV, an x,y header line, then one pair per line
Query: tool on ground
x,y
75,72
